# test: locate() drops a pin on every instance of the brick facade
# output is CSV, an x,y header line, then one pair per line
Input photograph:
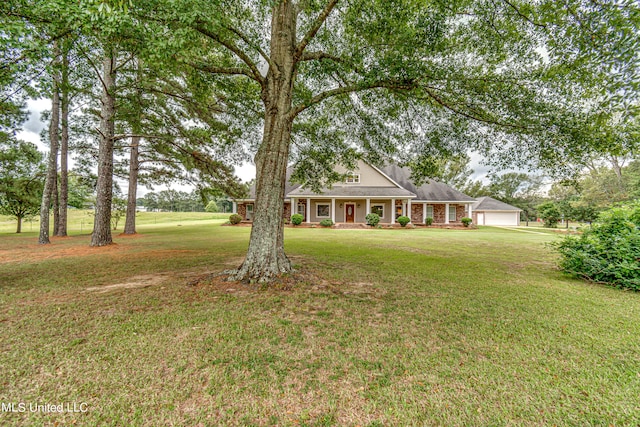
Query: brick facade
x,y
416,213
242,210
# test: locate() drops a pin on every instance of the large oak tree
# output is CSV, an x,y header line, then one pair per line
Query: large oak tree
x,y
331,80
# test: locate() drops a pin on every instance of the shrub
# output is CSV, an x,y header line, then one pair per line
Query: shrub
x,y
428,221
466,221
326,223
372,219
608,251
296,219
403,220
235,219
549,213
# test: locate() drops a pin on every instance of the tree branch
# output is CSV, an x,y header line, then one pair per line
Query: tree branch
x,y
443,103
250,44
315,28
386,84
222,70
255,73
523,16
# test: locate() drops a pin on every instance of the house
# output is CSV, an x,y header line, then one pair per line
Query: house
x,y
489,211
387,191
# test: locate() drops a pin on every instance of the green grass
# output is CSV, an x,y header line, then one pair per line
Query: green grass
x,y
390,327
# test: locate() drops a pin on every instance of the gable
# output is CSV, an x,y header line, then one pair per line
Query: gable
x,y
369,176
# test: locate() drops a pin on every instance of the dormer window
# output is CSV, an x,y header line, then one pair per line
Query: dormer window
x,y
353,178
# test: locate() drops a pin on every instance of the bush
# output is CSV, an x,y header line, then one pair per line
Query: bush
x,y
428,221
608,251
296,219
235,219
372,219
403,220
326,223
549,213
466,221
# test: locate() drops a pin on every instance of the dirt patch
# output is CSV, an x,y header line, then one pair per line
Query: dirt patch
x,y
131,236
36,252
143,281
302,280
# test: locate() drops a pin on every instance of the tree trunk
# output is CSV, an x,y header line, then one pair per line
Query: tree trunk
x,y
104,190
134,161
19,229
52,164
130,221
64,148
55,204
265,257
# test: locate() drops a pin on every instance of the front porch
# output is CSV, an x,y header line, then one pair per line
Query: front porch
x,y
354,210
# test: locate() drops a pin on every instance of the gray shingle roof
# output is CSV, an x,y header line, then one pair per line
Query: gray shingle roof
x,y
355,191
490,204
432,191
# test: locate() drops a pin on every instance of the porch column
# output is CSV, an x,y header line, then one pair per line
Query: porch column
x,y
409,209
234,208
424,213
294,206
333,210
307,210
470,211
393,211
367,209
446,213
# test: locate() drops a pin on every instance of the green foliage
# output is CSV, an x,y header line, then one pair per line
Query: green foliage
x,y
21,179
235,219
428,221
296,219
403,220
118,210
212,206
372,219
466,221
326,223
549,213
608,251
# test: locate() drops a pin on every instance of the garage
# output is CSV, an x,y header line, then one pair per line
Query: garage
x,y
489,211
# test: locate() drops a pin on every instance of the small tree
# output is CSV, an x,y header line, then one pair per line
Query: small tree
x,y
212,206
549,213
21,173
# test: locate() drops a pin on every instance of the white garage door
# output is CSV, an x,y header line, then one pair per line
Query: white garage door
x,y
502,218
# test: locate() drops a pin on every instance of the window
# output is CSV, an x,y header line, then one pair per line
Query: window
x,y
301,209
452,213
250,211
378,209
323,210
353,178
430,211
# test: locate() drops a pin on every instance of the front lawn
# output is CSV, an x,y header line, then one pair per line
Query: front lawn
x,y
383,327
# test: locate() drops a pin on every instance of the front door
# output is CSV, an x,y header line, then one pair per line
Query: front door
x,y
350,212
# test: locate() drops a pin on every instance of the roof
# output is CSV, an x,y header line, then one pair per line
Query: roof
x,y
490,204
355,191
432,191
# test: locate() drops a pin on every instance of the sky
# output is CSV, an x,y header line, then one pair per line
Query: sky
x,y
33,127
